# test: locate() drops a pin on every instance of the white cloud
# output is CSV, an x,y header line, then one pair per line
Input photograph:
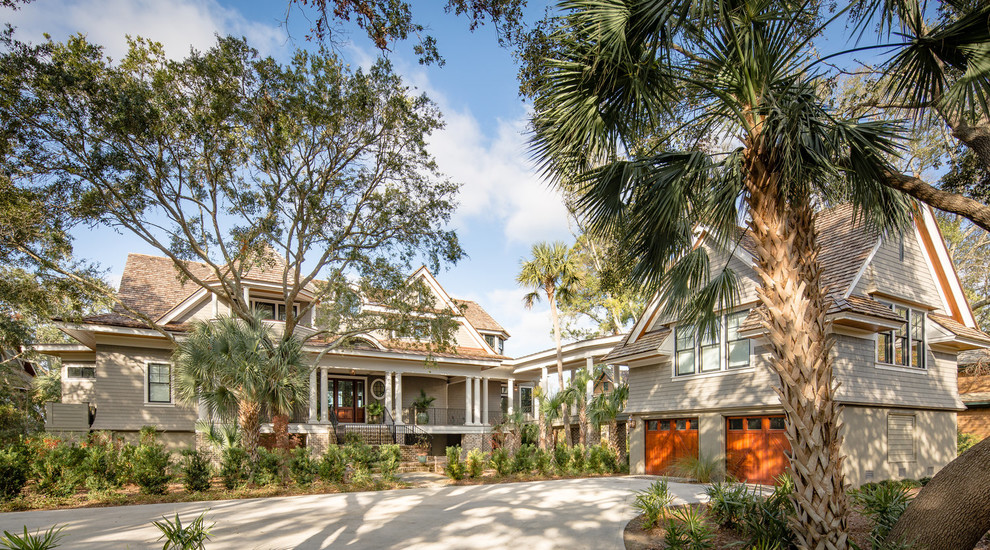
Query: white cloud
x,y
177,24
529,329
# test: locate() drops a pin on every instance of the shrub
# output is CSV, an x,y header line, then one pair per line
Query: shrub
x,y
14,470
524,461
267,468
104,467
529,434
389,458
360,455
610,460
577,458
653,502
501,462
727,503
542,461
765,520
454,468
152,465
196,471
58,470
702,468
233,467
475,463
189,537
688,530
332,465
148,435
302,468
594,461
37,541
561,458
883,503
965,441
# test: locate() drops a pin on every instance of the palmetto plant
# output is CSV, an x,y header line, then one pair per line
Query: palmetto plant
x,y
578,387
553,272
604,409
551,409
766,150
235,367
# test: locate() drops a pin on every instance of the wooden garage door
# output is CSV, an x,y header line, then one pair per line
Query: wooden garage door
x,y
755,447
668,441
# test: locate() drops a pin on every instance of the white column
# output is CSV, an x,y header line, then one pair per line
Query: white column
x,y
591,382
398,398
388,393
216,305
484,401
535,403
467,401
509,409
324,397
204,412
477,400
247,298
314,398
615,374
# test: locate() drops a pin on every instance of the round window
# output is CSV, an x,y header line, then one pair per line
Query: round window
x,y
378,389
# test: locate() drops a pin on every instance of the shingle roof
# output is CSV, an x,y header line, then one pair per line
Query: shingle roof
x,y
960,329
853,304
151,285
650,341
975,398
478,317
973,357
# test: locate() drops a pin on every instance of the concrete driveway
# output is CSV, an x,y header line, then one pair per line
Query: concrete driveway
x,y
571,514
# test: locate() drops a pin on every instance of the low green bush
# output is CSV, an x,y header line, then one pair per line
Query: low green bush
x,y
964,441
501,462
233,467
196,471
454,468
610,460
561,458
38,541
883,503
687,529
593,464
302,468
14,471
152,468
523,461
578,455
475,463
105,466
267,468
332,465
542,461
360,456
653,503
58,470
389,458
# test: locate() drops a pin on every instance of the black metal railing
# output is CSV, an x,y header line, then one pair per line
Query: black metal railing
x,y
435,416
379,434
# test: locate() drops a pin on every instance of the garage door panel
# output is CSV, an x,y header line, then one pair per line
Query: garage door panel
x,y
668,441
756,448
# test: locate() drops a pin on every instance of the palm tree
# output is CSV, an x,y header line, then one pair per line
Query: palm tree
x,y
579,394
235,368
752,141
552,271
605,409
550,410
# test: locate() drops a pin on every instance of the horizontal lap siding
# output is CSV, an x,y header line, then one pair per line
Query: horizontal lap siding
x,y
119,392
860,381
910,278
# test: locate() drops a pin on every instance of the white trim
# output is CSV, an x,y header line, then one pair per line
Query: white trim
x,y
902,368
171,385
863,268
183,306
931,270
711,374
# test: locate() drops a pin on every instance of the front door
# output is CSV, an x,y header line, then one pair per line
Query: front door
x,y
347,399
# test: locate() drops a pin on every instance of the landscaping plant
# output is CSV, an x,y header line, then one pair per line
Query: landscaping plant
x,y
152,467
454,468
104,467
883,503
37,541
766,521
57,470
302,468
577,458
267,467
542,461
727,503
594,462
501,462
361,456
332,465
964,441
475,463
702,468
184,537
196,471
389,458
523,461
653,502
233,467
561,458
688,530
14,470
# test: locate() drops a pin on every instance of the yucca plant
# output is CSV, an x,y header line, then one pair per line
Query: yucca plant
x,y
653,503
37,541
184,537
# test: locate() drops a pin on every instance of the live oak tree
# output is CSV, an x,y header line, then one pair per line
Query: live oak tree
x,y
309,169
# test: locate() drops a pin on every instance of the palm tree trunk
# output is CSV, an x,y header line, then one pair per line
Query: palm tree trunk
x,y
613,435
552,298
248,416
542,428
280,427
583,420
798,333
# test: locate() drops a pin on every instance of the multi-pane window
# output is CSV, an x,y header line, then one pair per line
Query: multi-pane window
x,y
526,399
88,373
268,309
495,342
684,349
904,346
159,383
700,351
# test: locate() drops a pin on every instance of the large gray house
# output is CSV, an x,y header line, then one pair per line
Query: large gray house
x,y
899,319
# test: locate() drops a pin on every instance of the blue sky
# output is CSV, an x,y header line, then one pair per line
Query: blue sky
x,y
504,206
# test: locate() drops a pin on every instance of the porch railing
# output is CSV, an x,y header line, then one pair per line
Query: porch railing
x,y
441,416
378,434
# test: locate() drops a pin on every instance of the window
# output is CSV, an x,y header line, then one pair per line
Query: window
x,y
651,425
159,383
904,346
496,343
526,400
665,425
684,353
735,424
698,352
268,309
87,373
777,423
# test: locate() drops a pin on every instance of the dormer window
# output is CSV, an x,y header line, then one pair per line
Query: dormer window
x,y
268,310
904,346
496,343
